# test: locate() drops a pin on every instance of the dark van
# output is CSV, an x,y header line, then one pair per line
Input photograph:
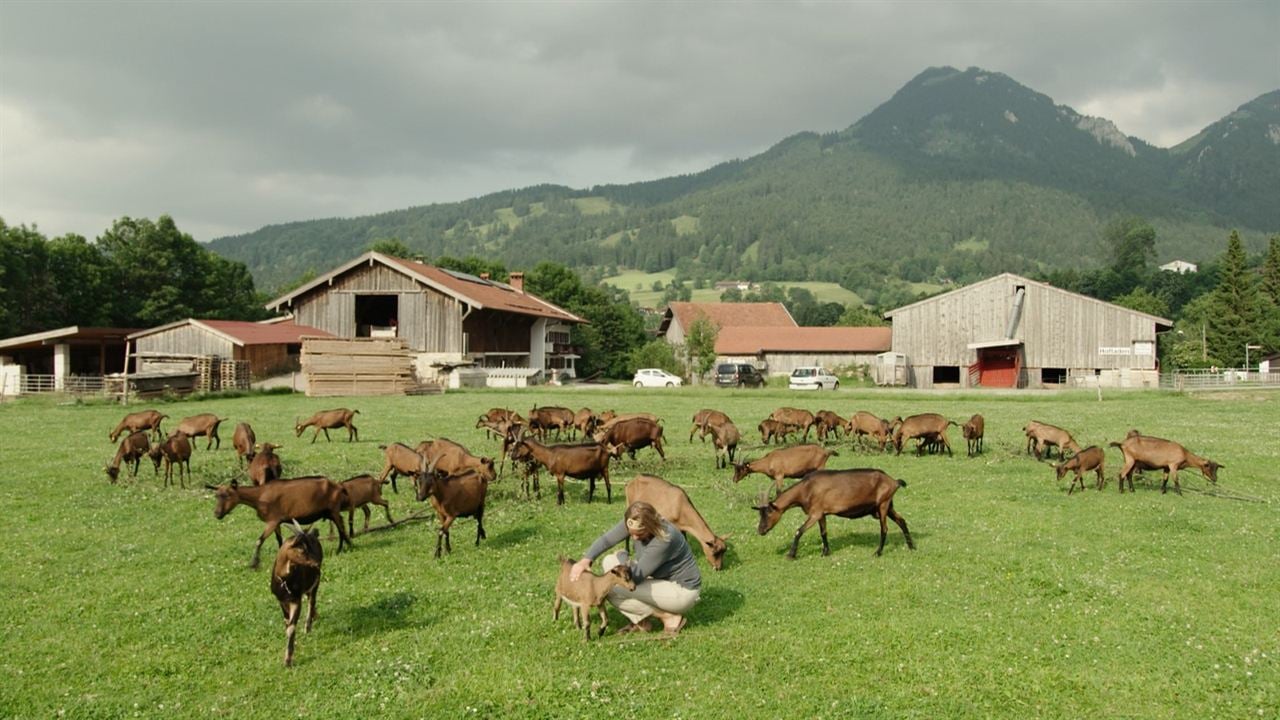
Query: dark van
x,y
738,375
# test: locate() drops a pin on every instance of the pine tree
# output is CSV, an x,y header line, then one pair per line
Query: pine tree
x,y
1237,307
1271,272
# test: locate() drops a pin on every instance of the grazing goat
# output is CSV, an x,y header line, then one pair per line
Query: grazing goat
x,y
327,420
704,420
586,461
588,593
772,429
294,578
175,450
401,460
1142,452
1042,437
363,491
799,419
864,425
265,465
673,503
927,426
973,431
726,438
495,417
543,419
136,422
631,435
304,499
846,493
448,457
204,424
1090,458
828,423
131,450
454,497
791,462
585,421
244,440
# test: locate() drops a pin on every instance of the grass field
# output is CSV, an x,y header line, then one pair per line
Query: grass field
x,y
640,286
131,600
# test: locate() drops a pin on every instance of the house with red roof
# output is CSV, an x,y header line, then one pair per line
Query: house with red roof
x,y
448,319
680,316
779,350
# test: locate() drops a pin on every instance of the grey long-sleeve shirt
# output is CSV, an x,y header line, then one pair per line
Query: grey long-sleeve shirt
x,y
669,559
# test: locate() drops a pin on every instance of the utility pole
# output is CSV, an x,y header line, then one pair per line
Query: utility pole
x,y
1247,348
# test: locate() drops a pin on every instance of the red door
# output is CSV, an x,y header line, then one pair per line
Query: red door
x,y
998,367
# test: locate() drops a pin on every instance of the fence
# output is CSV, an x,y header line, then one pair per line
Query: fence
x,y
73,384
1218,379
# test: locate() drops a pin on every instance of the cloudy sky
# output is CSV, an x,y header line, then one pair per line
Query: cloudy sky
x,y
233,115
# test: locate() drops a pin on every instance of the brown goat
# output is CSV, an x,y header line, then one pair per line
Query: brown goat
x,y
585,421
791,462
304,499
673,503
1091,458
846,493
494,416
586,461
802,420
927,427
363,491
1042,437
588,593
243,440
704,420
295,576
265,465
454,497
175,450
828,423
204,424
401,460
865,425
446,456
131,450
1142,452
771,430
543,419
726,438
136,422
327,420
631,435
973,430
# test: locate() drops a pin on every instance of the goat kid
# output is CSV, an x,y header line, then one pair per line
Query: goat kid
x,y
588,593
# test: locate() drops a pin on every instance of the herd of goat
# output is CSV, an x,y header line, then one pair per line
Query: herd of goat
x,y
455,481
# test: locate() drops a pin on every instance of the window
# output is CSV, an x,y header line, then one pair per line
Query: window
x,y
1053,376
376,315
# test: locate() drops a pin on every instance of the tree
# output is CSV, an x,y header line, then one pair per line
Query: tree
x,y
1142,300
700,346
83,277
1187,346
28,292
391,246
656,354
1271,272
861,316
1132,242
1237,310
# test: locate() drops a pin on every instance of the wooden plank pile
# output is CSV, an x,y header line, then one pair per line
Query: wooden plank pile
x,y
234,374
357,366
207,378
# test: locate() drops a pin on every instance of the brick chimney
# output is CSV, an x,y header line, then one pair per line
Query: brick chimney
x,y
484,276
516,281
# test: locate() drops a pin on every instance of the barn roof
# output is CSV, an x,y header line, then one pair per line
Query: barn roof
x,y
242,333
756,340
1027,281
477,292
727,315
70,335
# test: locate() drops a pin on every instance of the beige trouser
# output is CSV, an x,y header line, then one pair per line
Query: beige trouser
x,y
649,595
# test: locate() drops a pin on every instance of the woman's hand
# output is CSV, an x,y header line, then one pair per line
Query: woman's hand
x,y
578,568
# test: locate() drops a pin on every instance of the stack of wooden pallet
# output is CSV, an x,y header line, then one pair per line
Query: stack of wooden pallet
x,y
234,374
207,377
357,366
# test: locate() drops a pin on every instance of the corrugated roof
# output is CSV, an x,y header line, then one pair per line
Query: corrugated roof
x,y
484,294
244,333
756,340
727,315
71,335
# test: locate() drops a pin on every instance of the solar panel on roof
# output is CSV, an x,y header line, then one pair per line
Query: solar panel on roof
x,y
466,276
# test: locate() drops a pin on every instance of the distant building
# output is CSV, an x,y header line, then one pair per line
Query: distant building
x,y
1179,266
743,285
64,358
1009,331
680,316
779,350
267,348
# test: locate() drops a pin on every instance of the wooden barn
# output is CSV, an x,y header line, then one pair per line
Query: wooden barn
x,y
70,358
456,325
681,315
1009,331
264,349
779,350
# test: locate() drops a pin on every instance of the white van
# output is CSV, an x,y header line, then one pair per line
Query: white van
x,y
813,377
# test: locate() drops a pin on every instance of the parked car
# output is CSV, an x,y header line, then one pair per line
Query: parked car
x,y
738,375
655,377
813,377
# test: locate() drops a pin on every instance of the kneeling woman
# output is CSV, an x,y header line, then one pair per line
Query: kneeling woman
x,y
668,582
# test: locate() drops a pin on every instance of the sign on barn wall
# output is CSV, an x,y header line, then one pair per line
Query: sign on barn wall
x,y
1114,350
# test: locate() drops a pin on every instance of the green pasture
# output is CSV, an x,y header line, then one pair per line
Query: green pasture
x,y
131,600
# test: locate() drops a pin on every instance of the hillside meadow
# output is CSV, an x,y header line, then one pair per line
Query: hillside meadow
x,y
131,600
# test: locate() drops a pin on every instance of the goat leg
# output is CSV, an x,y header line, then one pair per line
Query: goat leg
x,y
604,621
795,541
311,616
290,629
902,523
822,530
884,528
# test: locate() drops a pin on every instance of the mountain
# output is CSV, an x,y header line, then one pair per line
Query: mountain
x,y
960,174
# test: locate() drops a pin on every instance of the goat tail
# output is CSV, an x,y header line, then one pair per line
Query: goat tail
x,y
355,412
1116,444
902,483
382,447
953,422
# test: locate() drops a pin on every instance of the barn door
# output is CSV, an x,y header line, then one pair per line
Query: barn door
x,y
998,367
